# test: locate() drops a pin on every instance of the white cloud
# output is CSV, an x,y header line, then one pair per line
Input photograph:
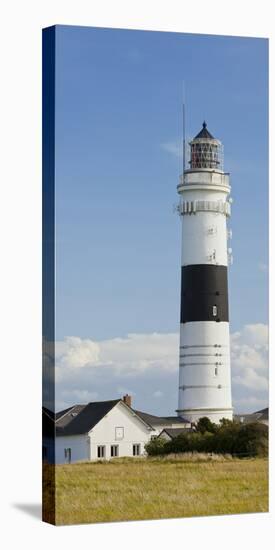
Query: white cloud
x,y
146,366
75,352
173,147
81,396
256,334
158,393
133,354
122,390
251,379
250,404
249,359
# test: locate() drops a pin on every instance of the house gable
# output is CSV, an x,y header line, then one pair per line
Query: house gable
x,y
122,412
122,428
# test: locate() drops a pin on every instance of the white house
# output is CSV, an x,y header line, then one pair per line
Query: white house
x,y
104,430
100,430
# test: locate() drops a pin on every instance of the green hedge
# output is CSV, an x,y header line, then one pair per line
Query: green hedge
x,y
229,438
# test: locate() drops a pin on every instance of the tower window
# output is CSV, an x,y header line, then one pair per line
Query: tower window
x,y
215,311
216,371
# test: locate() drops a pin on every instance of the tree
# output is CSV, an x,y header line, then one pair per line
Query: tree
x,y
205,425
226,422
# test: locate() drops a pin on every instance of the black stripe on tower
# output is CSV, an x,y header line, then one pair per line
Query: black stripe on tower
x,y
204,293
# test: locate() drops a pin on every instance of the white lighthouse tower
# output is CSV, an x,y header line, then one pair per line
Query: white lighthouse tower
x,y
204,367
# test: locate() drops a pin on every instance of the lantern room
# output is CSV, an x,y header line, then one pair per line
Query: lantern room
x,y
206,151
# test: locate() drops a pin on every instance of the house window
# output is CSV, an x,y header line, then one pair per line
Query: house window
x,y
101,451
136,449
119,433
114,450
68,455
215,311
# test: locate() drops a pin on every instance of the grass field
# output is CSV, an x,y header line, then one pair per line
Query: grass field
x,y
179,486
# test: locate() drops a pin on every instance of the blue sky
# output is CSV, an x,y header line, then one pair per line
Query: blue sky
x,y
118,134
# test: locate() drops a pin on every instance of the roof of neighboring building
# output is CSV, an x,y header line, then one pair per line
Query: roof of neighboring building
x,y
174,432
176,419
160,420
257,416
61,413
264,413
204,133
63,418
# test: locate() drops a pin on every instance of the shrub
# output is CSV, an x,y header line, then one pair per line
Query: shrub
x,y
229,438
187,443
251,440
179,444
224,440
155,446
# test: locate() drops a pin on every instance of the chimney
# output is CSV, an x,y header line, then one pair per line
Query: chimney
x,y
127,399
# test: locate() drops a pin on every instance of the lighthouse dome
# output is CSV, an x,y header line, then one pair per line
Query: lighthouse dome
x,y
204,133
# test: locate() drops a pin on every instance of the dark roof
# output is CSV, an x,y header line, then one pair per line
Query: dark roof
x,y
176,419
64,417
61,413
204,133
159,420
86,418
174,432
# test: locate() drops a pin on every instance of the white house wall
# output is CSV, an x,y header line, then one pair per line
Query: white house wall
x,y
104,433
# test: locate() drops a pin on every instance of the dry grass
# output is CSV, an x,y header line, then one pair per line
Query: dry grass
x,y
169,487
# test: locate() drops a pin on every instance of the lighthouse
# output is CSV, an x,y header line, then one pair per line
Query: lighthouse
x,y
204,355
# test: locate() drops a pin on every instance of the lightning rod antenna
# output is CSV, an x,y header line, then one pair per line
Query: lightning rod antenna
x,y
183,127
